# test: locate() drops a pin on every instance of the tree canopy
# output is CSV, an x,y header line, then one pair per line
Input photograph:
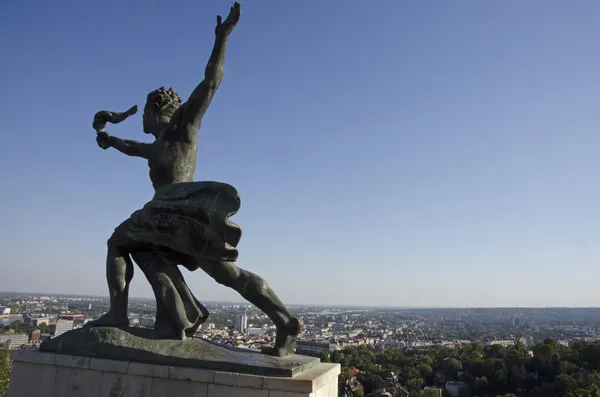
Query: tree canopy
x,y
547,369
4,370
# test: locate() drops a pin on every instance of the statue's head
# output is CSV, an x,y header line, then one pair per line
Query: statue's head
x,y
160,107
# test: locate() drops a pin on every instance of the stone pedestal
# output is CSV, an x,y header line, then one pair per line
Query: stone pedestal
x,y
39,374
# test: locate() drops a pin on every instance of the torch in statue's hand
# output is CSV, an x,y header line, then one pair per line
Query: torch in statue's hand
x,y
103,117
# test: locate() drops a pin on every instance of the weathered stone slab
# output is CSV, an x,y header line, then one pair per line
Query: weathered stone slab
x,y
76,382
137,345
105,379
164,388
21,383
117,385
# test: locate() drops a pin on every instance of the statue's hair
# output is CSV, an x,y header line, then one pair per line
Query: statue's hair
x,y
164,100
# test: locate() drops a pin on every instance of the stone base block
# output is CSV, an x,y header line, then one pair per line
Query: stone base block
x,y
38,374
139,345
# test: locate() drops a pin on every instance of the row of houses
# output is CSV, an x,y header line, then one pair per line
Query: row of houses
x,y
16,340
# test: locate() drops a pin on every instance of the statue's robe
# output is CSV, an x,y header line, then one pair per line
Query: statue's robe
x,y
183,224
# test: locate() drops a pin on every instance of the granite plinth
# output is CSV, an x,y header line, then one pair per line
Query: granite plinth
x,y
137,345
38,374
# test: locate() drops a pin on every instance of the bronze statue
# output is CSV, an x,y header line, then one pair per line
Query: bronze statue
x,y
186,223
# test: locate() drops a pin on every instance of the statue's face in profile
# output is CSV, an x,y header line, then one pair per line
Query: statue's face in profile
x,y
155,120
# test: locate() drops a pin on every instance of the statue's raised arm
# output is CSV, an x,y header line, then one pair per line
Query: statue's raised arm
x,y
189,116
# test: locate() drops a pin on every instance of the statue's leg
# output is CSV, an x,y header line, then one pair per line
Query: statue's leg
x,y
178,312
119,272
256,291
163,326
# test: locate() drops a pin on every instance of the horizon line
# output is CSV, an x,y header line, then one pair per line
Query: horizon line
x,y
53,294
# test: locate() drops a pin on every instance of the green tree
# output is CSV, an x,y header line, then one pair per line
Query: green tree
x,y
425,370
16,326
590,391
343,377
481,386
427,361
426,393
415,384
4,370
337,356
451,367
370,381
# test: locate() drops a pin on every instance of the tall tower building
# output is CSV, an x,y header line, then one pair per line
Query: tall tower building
x,y
241,322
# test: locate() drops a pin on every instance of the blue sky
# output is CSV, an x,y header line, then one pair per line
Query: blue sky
x,y
410,153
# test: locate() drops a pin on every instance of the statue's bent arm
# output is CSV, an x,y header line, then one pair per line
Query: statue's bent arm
x,y
131,148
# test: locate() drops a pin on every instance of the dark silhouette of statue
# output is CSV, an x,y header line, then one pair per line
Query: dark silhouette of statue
x,y
186,223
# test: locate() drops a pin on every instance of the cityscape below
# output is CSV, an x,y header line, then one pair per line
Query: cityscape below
x,y
28,319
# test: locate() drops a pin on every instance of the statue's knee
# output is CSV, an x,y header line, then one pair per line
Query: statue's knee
x,y
110,243
114,242
119,238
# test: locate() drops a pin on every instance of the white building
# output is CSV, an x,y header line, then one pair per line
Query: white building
x,y
4,310
454,388
63,326
241,323
527,340
258,331
14,341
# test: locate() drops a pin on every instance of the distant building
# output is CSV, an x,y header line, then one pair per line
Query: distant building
x,y
74,317
452,321
146,322
37,321
78,319
391,390
315,348
382,393
36,337
390,376
504,343
241,323
13,341
454,388
527,340
257,331
4,310
62,326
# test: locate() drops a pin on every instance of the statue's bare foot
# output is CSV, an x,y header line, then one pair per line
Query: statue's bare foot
x,y
109,320
285,341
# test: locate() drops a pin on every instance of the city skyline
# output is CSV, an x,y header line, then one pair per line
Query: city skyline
x,y
394,153
295,304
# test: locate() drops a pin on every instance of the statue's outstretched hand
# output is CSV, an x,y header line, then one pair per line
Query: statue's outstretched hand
x,y
225,28
102,139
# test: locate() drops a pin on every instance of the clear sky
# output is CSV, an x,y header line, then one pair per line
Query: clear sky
x,y
410,153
